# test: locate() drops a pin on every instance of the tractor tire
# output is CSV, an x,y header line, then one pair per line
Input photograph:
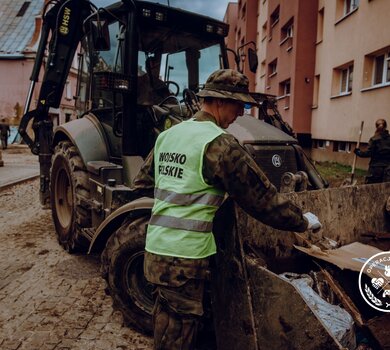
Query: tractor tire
x,y
69,193
122,268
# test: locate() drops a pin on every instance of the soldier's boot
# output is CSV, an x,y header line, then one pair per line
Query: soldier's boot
x,y
173,331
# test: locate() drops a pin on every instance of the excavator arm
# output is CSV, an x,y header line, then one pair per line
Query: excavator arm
x,y
61,32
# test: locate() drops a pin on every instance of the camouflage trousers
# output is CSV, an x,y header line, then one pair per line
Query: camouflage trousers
x,y
179,289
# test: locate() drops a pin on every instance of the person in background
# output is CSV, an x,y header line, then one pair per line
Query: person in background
x,y
193,165
379,152
5,132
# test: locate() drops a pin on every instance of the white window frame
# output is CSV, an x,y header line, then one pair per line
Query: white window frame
x,y
348,73
347,147
385,69
350,5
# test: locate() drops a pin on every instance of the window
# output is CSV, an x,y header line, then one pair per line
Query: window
x,y
321,144
272,68
275,17
284,92
377,69
23,9
320,25
262,69
285,87
68,90
350,5
344,8
346,80
286,34
287,31
342,80
341,146
264,31
316,91
381,69
243,11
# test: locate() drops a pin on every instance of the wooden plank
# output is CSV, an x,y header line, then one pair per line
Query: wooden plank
x,y
344,298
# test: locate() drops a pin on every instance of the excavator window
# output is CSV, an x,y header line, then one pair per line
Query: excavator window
x,y
103,62
188,68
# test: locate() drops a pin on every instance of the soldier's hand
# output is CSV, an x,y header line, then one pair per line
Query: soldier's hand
x,y
314,223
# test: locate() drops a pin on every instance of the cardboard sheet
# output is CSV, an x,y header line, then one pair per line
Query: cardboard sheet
x,y
351,256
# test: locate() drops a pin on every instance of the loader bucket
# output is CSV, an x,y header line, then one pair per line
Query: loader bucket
x,y
255,308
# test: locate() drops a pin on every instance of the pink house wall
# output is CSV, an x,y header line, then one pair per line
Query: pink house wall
x,y
14,86
15,83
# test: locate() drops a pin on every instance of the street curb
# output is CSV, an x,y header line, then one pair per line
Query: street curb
x,y
16,182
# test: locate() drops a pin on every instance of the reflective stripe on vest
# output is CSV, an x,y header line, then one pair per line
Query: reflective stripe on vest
x,y
181,223
188,199
185,205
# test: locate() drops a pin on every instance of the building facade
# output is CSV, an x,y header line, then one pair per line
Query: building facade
x,y
328,64
231,19
242,20
352,76
286,40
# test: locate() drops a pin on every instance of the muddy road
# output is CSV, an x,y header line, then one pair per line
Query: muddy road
x,y
50,299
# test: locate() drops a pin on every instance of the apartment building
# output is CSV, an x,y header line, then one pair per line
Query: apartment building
x,y
352,76
231,19
286,41
242,20
328,63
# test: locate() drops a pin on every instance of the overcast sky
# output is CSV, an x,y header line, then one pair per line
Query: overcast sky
x,y
211,8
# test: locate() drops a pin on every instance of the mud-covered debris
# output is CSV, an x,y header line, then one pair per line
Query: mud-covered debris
x,y
336,319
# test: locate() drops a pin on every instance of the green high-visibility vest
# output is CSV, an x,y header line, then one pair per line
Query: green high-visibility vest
x,y
185,205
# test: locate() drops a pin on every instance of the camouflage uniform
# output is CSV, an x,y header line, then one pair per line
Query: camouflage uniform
x,y
379,151
228,166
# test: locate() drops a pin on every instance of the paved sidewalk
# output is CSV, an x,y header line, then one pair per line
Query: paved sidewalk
x,y
19,165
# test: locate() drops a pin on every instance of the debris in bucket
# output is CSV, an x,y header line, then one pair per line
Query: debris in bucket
x,y
336,319
316,244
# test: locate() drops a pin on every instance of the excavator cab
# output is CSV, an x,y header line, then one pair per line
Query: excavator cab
x,y
150,66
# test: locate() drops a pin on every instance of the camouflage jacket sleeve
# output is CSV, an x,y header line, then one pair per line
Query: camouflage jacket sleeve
x,y
229,166
143,184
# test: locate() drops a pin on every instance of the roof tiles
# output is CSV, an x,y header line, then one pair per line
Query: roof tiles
x,y
16,32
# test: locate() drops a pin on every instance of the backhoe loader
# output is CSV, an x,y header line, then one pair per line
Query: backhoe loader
x,y
140,65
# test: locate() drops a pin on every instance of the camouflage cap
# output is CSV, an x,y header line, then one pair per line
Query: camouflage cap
x,y
229,84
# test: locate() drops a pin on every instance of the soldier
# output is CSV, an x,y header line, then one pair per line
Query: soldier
x,y
379,151
191,168
5,132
